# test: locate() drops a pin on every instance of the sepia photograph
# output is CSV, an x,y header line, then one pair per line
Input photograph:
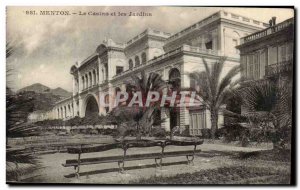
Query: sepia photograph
x,y
150,95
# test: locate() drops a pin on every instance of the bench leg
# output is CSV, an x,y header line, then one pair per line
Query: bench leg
x,y
158,164
190,159
121,166
78,167
77,171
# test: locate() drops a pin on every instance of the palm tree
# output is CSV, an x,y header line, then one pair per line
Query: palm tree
x,y
213,89
142,117
17,109
268,107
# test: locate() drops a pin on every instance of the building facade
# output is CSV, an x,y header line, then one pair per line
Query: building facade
x,y
173,56
268,53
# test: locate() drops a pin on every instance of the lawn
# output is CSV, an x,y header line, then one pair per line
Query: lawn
x,y
223,175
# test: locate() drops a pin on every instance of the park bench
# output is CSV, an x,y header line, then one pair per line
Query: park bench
x,y
125,145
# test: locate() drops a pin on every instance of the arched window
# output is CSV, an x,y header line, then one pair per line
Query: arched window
x,y
235,42
83,82
62,112
106,100
117,89
130,64
65,109
91,79
144,58
137,61
175,78
94,77
86,81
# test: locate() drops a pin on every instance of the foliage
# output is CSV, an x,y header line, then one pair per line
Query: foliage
x,y
234,132
223,175
206,133
159,132
17,109
213,89
268,107
141,118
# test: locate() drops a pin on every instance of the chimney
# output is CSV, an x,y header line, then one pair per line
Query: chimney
x,y
274,21
270,22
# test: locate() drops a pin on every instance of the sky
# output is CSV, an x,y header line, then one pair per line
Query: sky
x,y
46,46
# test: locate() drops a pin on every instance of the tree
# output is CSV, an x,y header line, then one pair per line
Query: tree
x,y
141,117
268,107
17,109
213,89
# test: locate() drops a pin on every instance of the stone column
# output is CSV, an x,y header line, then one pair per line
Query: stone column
x,y
214,40
81,112
74,88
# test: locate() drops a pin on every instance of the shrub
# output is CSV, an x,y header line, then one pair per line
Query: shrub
x,y
131,132
159,132
186,131
233,132
206,133
110,132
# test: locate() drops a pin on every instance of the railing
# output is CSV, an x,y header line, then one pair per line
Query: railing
x,y
149,32
267,31
213,17
200,50
186,48
281,67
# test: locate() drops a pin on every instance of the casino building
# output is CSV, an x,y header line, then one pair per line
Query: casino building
x,y
172,56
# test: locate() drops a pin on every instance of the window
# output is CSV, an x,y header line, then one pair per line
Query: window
x,y
285,52
144,58
94,77
197,122
130,64
83,82
244,66
208,45
273,55
250,66
119,70
106,72
193,84
91,79
262,62
256,66
235,43
289,51
253,66
282,53
137,61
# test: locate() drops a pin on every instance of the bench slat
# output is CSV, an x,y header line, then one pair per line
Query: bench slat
x,y
183,143
99,160
131,144
99,148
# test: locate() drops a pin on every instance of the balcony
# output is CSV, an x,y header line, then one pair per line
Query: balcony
x,y
281,67
268,31
184,48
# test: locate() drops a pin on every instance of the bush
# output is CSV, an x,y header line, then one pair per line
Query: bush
x,y
206,133
131,132
159,132
110,132
234,132
186,131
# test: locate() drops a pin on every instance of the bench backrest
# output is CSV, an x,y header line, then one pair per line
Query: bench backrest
x,y
131,144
